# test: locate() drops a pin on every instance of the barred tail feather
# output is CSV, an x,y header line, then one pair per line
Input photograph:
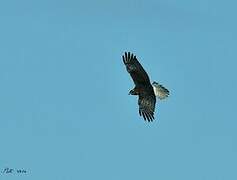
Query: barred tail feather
x,y
160,91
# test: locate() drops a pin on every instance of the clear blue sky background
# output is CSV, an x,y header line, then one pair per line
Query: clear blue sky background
x,y
65,112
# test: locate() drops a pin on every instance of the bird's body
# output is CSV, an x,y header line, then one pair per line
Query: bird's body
x,y
145,91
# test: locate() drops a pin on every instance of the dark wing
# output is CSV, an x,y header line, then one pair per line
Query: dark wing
x,y
147,104
136,70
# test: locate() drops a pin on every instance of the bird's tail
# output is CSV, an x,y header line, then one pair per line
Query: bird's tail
x,y
160,91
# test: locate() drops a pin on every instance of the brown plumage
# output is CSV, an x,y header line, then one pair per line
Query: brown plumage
x,y
143,87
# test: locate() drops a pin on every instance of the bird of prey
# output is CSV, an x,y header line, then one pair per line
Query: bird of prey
x,y
145,91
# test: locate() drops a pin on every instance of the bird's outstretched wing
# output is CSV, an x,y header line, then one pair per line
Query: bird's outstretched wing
x,y
147,106
136,70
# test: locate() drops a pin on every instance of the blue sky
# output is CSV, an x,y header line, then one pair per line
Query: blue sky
x,y
65,110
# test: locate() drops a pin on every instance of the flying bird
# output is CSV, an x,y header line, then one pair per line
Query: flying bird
x,y
145,91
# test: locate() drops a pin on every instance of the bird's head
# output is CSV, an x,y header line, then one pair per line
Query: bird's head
x,y
133,92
